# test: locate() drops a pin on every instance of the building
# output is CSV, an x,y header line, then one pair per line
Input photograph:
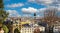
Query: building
x,y
31,29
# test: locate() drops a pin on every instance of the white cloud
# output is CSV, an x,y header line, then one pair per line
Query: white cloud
x,y
29,10
41,1
31,0
26,15
42,10
38,17
44,1
15,5
47,2
13,13
58,9
33,10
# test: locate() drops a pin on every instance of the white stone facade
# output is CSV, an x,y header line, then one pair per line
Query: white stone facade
x,y
30,29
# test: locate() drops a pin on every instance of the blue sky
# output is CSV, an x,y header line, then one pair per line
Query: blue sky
x,y
26,7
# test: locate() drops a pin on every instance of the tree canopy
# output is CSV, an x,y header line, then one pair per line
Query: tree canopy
x,y
3,13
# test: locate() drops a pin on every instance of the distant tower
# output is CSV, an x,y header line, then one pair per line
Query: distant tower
x,y
34,14
34,17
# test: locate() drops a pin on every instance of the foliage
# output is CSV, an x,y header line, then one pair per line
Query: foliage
x,y
3,14
6,30
1,4
16,30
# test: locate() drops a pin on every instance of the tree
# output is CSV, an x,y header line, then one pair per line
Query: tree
x,y
3,14
1,4
16,30
6,30
50,16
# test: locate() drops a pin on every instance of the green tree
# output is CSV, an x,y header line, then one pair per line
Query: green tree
x,y
1,4
3,16
6,30
16,30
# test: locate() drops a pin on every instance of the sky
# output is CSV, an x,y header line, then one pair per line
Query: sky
x,y
18,8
